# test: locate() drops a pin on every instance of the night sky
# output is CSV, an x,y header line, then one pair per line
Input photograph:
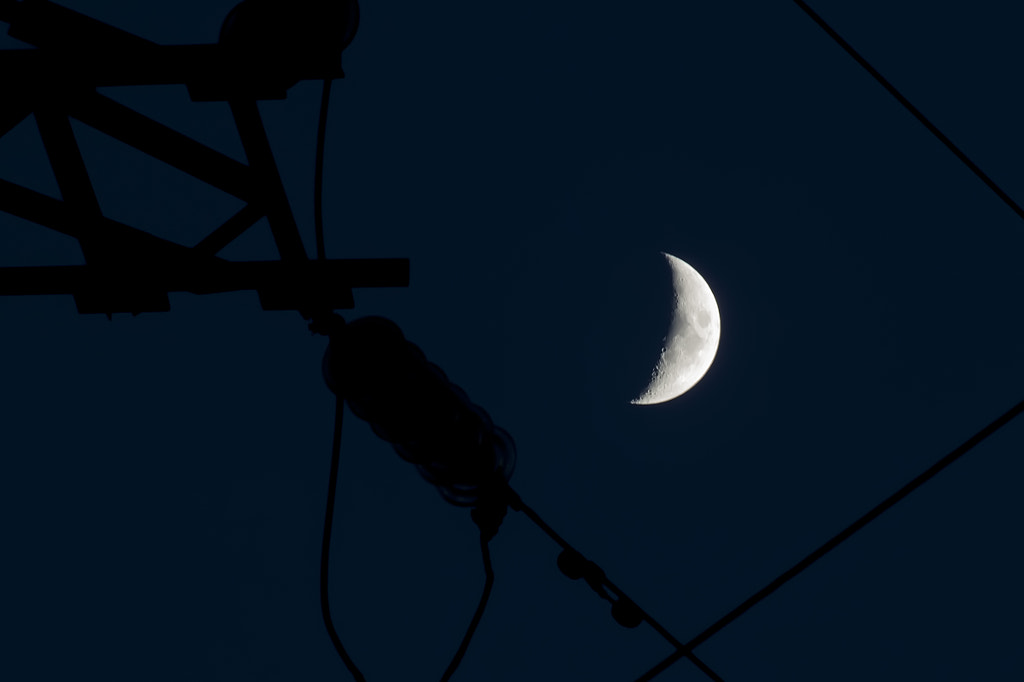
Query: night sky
x,y
163,477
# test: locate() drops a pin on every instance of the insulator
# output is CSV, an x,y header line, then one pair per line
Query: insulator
x,y
572,564
281,38
410,402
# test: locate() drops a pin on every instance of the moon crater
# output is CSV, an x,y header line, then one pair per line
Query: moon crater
x,y
692,340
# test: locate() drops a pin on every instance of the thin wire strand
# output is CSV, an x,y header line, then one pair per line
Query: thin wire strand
x,y
485,552
318,180
682,650
912,109
839,538
518,504
325,551
540,523
703,667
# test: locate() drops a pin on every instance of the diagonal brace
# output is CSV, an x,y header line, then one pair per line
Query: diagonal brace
x,y
268,180
164,143
57,215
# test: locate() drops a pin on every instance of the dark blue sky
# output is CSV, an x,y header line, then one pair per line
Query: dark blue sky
x,y
163,477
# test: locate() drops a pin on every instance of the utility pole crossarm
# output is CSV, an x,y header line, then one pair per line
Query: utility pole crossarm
x,y
210,71
305,286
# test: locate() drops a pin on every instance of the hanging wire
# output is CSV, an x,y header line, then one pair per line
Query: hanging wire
x,y
325,551
485,551
912,109
682,650
318,179
487,518
839,538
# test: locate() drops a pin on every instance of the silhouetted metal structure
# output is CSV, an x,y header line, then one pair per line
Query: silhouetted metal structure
x,y
127,269
409,402
386,380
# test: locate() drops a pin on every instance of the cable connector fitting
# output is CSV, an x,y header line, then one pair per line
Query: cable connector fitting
x,y
327,325
491,508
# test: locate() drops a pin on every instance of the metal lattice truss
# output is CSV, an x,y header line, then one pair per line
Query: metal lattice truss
x,y
127,269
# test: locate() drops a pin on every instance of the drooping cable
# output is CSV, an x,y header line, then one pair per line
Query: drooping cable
x,y
911,108
485,551
325,550
318,179
839,538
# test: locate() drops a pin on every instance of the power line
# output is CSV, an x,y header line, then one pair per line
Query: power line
x,y
838,539
516,502
683,650
912,109
325,551
318,176
487,513
488,584
889,502
686,650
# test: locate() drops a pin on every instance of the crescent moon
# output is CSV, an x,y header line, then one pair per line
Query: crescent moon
x,y
692,341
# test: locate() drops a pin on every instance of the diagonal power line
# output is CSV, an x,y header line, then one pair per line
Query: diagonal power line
x,y
516,503
925,476
838,539
912,109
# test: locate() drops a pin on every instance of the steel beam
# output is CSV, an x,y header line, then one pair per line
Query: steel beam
x,y
232,228
56,215
308,285
211,66
268,180
163,143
